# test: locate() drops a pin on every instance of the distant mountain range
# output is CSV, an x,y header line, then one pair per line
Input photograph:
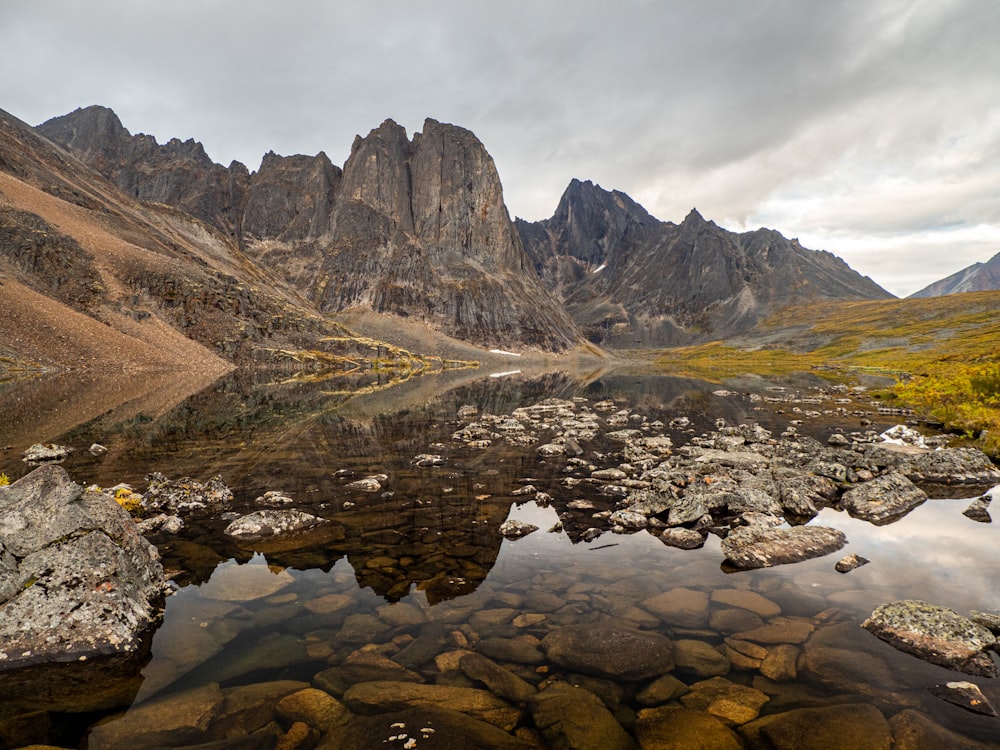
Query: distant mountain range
x,y
979,277
129,232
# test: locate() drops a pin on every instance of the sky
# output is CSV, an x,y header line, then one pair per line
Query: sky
x,y
868,128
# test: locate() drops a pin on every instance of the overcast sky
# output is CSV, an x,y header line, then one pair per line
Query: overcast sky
x,y
870,129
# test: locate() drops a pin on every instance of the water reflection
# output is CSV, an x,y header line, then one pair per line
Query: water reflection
x,y
401,580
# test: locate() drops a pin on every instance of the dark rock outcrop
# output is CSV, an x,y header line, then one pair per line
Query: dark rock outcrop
x,y
629,279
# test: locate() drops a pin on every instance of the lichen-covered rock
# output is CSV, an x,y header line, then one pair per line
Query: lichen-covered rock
x,y
186,494
269,523
883,499
514,529
78,582
760,547
48,453
935,634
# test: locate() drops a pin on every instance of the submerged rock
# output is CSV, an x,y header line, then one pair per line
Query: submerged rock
x,y
186,494
935,634
571,717
610,651
850,562
760,547
846,727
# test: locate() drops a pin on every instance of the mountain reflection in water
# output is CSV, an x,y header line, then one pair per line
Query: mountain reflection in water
x,y
403,577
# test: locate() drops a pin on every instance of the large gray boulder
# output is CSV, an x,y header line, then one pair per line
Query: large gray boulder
x,y
77,581
883,499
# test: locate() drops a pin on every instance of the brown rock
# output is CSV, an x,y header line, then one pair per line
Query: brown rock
x,y
314,707
672,728
680,607
386,696
847,727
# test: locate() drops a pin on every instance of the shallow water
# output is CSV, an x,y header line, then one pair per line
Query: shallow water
x,y
421,570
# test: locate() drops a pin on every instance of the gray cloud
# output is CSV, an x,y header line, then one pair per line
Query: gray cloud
x,y
868,129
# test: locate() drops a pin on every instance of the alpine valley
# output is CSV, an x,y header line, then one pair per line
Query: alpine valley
x,y
163,257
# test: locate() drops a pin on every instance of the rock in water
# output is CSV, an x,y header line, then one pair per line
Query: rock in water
x,y
78,581
610,651
964,694
751,547
935,634
883,499
267,523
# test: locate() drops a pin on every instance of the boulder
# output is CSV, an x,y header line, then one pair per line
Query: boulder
x,y
883,499
619,653
573,718
186,494
674,728
913,730
847,727
935,634
48,453
514,529
270,523
385,696
78,582
751,547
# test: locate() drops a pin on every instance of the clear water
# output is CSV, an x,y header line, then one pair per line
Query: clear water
x,y
423,566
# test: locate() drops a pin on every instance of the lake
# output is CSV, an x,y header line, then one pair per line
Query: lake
x,y
418,572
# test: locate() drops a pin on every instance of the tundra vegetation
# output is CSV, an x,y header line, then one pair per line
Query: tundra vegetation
x,y
940,352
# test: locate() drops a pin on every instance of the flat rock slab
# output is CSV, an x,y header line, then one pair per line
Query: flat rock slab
x,y
935,634
386,696
883,499
610,651
750,547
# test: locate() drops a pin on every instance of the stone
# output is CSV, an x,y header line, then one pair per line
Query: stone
x,y
571,717
499,681
748,600
728,701
426,728
610,651
77,581
266,523
913,730
315,708
935,634
674,728
851,726
515,650
989,620
682,538
628,519
699,658
300,736
661,690
779,630
514,529
978,510
185,494
883,499
48,453
680,607
850,562
177,720
247,708
752,547
385,696
965,694
780,664
363,666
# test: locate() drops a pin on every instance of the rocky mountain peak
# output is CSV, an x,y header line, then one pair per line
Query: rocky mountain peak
x,y
979,277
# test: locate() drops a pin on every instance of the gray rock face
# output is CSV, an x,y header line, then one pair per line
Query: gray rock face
x,y
979,277
78,580
269,523
935,634
628,277
883,499
610,651
421,229
758,547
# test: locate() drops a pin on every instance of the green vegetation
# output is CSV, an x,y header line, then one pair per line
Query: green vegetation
x,y
944,353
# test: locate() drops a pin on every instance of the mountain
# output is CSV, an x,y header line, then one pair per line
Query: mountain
x,y
979,277
416,228
629,279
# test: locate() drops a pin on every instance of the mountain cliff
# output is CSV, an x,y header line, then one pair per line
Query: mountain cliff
x,y
629,279
979,277
416,228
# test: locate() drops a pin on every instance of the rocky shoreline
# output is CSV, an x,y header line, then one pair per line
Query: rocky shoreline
x,y
523,673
